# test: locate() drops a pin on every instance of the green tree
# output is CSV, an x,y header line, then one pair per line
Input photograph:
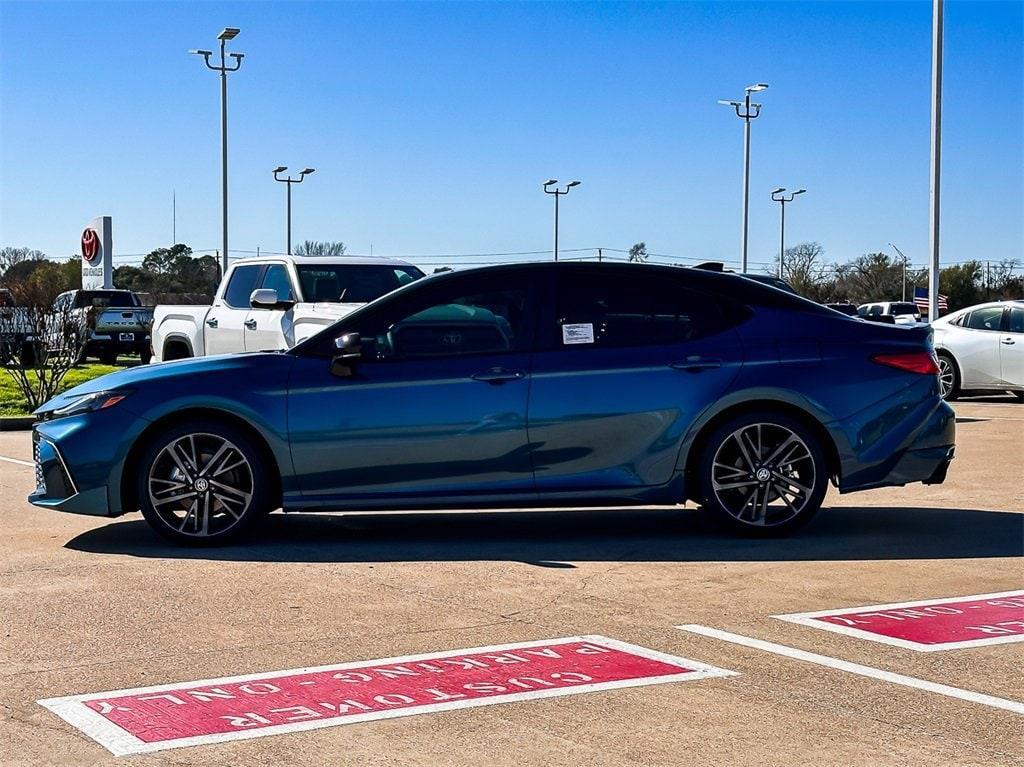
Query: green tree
x,y
961,284
171,270
15,258
320,248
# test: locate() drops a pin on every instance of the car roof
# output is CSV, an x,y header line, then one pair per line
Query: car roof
x,y
329,260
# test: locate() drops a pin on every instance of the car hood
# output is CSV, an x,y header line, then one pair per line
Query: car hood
x,y
143,375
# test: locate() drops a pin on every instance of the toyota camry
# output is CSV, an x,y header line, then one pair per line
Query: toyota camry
x,y
553,384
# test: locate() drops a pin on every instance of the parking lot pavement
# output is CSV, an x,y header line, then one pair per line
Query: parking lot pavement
x,y
93,605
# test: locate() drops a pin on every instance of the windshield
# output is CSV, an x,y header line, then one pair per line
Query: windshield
x,y
105,298
352,283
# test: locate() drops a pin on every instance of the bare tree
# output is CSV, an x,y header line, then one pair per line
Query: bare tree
x,y
11,256
40,341
320,248
638,253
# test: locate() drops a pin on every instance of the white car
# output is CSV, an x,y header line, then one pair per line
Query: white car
x,y
264,304
981,348
902,312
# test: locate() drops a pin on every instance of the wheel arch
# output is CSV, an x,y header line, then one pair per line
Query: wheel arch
x,y
176,341
697,443
128,496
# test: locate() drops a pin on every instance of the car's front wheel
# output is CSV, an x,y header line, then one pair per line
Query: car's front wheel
x,y
763,474
203,483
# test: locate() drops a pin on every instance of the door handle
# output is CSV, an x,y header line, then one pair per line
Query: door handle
x,y
251,324
696,365
499,375
1007,341
212,322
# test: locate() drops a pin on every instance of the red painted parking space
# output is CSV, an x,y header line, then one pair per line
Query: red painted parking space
x,y
932,624
231,708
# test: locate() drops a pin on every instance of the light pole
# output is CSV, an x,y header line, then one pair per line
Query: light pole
x,y
557,193
229,33
936,164
750,112
779,196
289,181
904,269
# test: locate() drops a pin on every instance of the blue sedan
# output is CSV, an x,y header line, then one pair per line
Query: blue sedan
x,y
527,385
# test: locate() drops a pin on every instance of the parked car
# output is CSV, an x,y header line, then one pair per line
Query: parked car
x,y
902,312
533,385
850,310
16,331
115,322
275,303
981,349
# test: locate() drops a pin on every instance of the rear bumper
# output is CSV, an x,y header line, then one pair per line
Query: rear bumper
x,y
905,439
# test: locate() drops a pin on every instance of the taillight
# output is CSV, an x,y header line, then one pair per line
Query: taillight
x,y
912,362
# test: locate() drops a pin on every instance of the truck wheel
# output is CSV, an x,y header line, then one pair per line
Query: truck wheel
x,y
762,474
203,483
27,356
146,355
108,356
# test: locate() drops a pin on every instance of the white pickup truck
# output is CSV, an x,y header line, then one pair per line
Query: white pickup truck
x,y
274,303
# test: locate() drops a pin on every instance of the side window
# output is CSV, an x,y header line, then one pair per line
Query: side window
x,y
988,318
276,278
241,286
457,321
1016,320
875,310
616,309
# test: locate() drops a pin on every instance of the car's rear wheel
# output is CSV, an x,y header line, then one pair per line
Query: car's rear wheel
x,y
763,474
203,483
949,378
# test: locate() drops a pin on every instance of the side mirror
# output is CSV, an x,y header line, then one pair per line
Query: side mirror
x,y
348,352
266,298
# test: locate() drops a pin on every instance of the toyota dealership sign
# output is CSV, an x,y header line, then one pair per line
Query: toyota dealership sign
x,y
97,254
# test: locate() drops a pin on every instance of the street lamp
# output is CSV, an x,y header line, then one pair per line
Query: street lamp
x,y
779,196
557,193
289,181
749,112
229,33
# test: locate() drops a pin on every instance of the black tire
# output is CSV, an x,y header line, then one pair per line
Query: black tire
x,y
218,516
740,474
949,377
108,356
145,356
27,355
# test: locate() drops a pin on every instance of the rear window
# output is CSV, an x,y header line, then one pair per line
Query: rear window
x,y
352,283
118,299
903,308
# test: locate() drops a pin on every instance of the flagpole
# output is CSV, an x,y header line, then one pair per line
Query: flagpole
x,y
936,156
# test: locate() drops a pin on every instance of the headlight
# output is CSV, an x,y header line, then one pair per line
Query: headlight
x,y
89,403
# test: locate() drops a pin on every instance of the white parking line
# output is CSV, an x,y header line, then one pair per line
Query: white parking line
x,y
16,460
855,668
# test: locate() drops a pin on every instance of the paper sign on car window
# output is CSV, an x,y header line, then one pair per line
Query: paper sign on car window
x,y
578,333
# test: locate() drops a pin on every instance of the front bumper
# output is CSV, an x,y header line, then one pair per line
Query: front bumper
x,y
55,485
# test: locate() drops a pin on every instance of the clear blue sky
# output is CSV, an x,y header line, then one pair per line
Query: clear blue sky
x,y
432,125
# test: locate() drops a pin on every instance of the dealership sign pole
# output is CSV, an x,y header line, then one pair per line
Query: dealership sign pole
x,y
97,255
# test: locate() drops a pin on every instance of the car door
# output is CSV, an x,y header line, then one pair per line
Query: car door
x,y
1011,347
267,329
977,347
225,322
631,358
435,408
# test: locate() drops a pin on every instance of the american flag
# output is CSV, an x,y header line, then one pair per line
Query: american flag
x,y
921,300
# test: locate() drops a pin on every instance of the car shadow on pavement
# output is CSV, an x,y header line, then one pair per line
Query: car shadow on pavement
x,y
554,538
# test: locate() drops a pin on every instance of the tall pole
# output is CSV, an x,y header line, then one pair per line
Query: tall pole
x,y
905,265
750,112
556,225
936,163
779,196
229,33
557,193
224,154
288,181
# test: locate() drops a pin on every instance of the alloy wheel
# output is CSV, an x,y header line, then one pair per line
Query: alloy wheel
x,y
947,376
763,474
200,485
